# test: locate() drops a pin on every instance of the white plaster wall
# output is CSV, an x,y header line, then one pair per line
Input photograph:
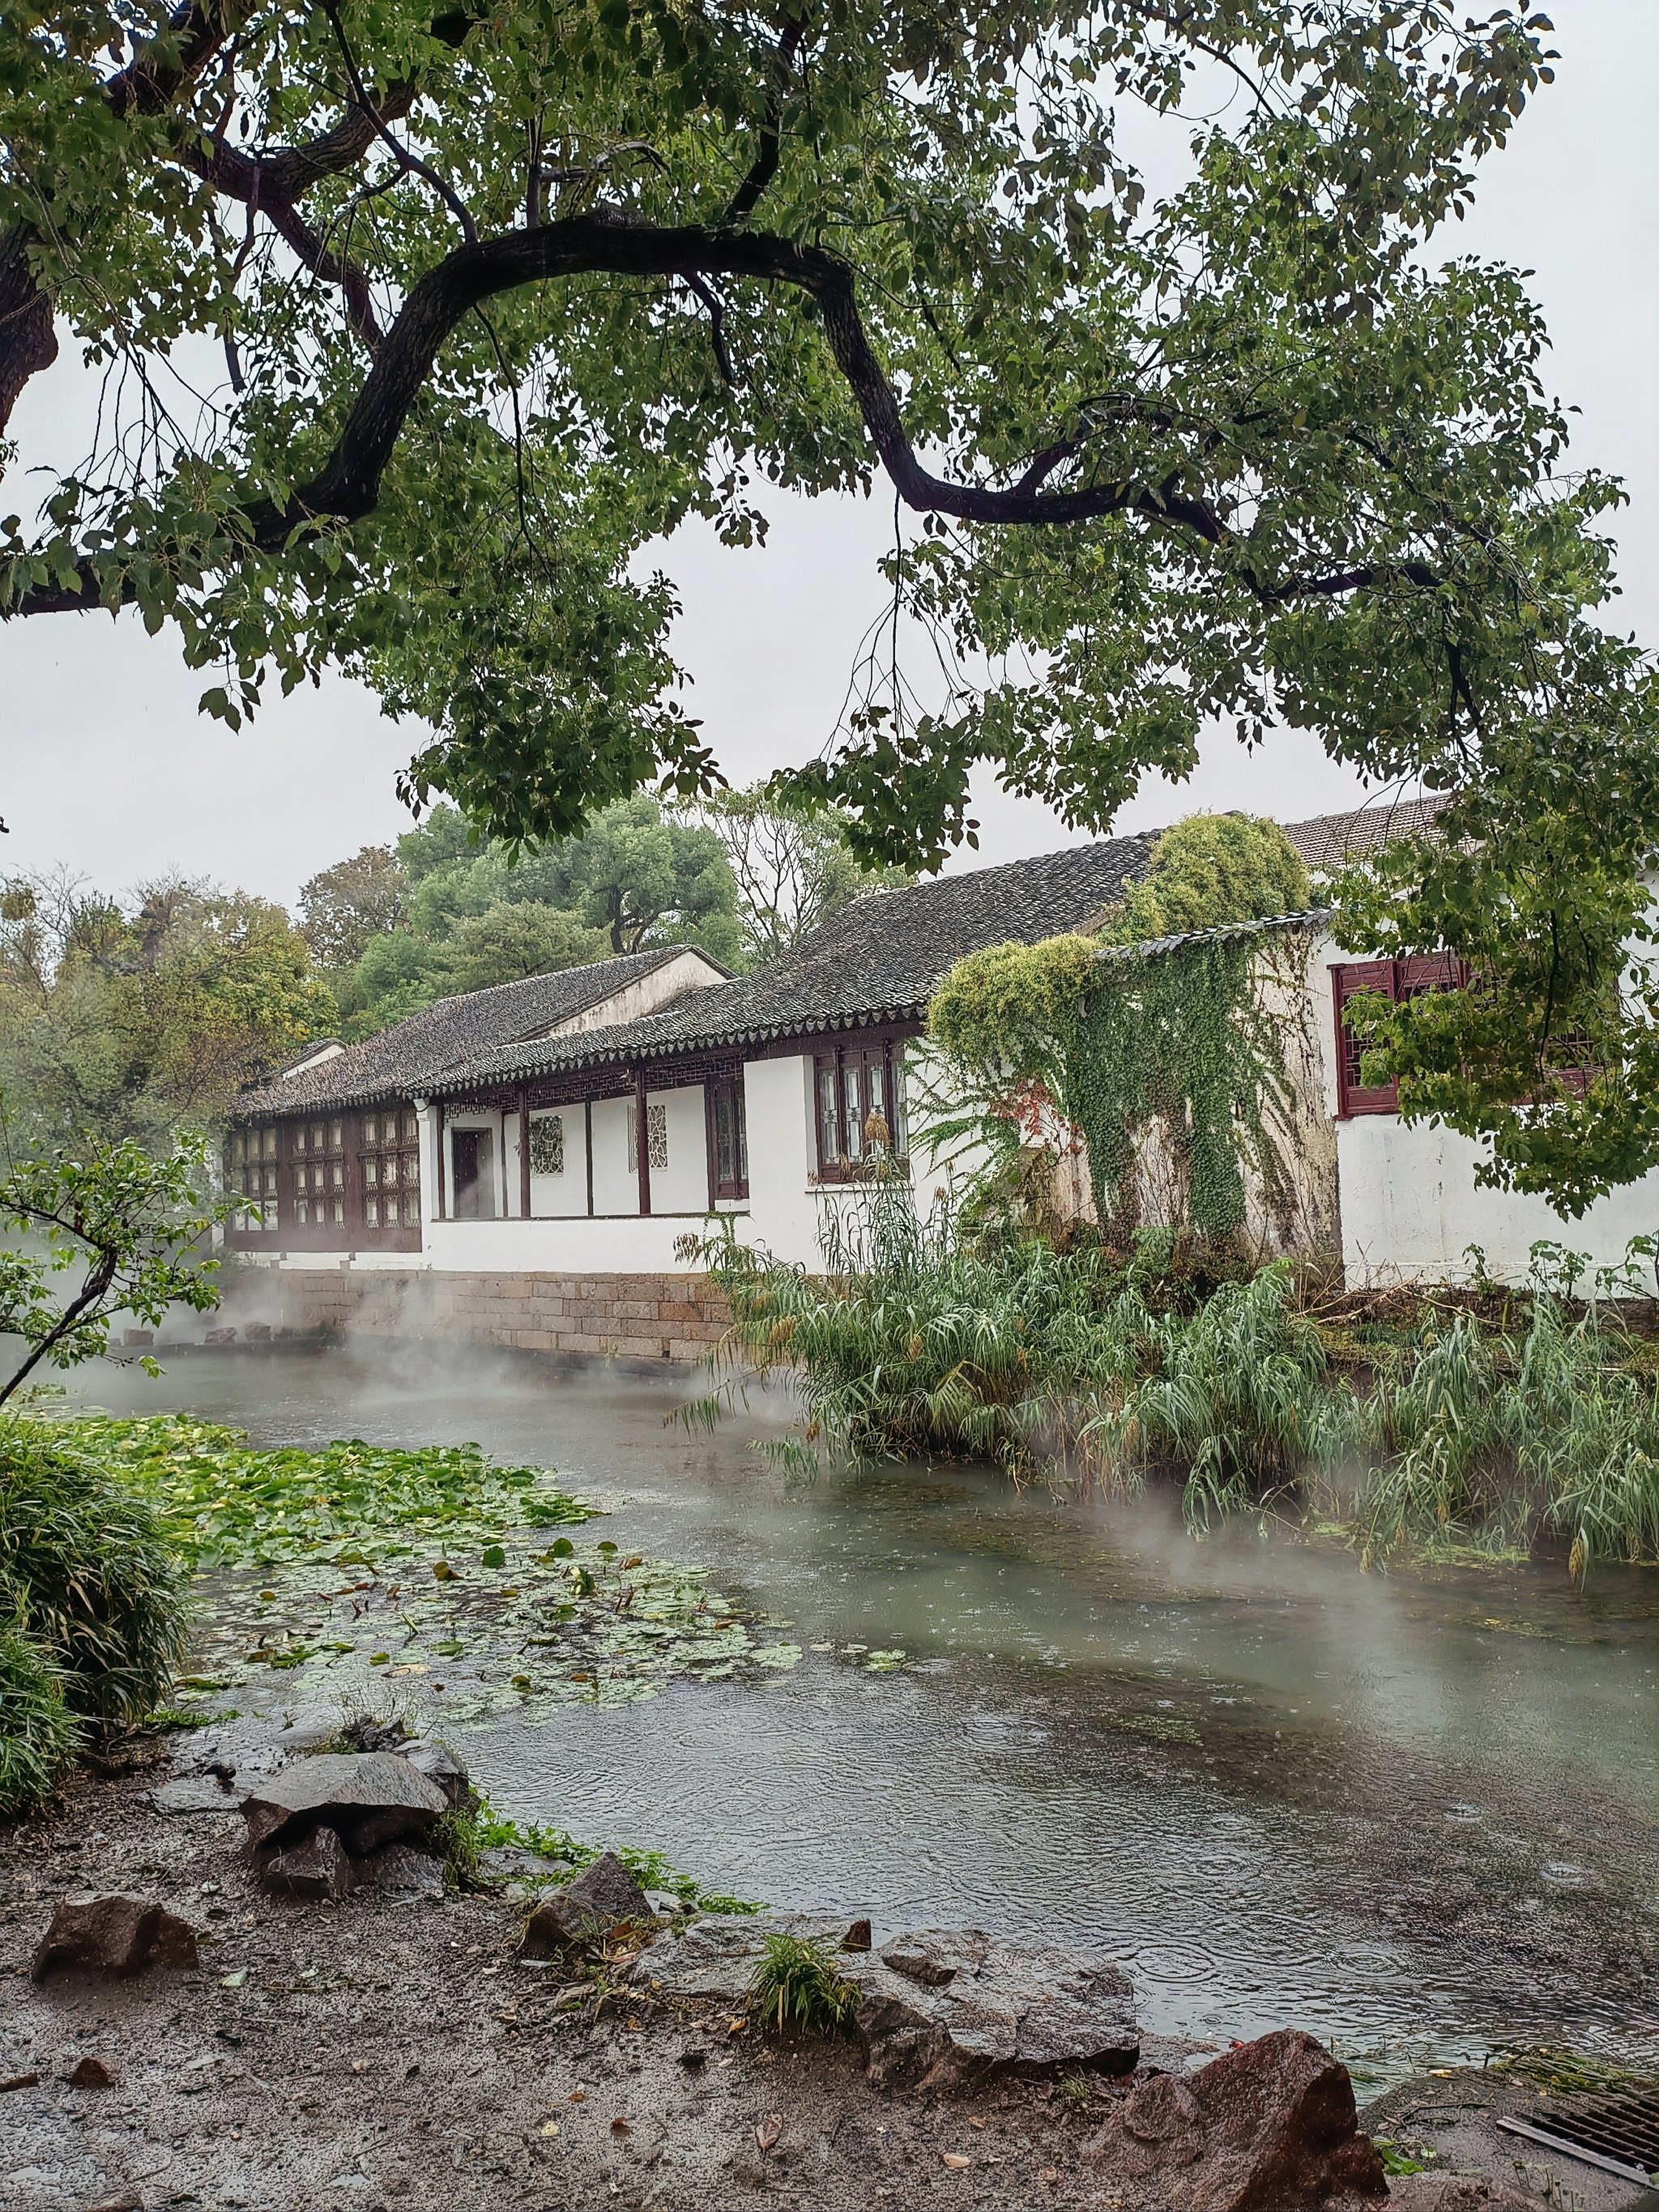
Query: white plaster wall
x,y
616,1183
1411,1207
556,1196
783,1205
577,1246
689,971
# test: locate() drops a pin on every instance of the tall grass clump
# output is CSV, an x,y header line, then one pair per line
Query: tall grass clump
x,y
86,1567
796,1983
1474,1436
916,1343
39,1734
1238,1398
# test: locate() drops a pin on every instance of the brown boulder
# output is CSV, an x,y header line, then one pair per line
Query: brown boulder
x,y
1270,2127
369,1798
604,1895
91,2073
112,1932
317,1867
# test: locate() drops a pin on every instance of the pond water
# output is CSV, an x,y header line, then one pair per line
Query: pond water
x,y
1417,1815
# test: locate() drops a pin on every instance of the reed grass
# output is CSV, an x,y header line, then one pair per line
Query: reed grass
x,y
1468,1434
97,1585
39,1734
796,1983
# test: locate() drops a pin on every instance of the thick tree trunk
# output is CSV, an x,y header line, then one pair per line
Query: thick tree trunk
x,y
27,341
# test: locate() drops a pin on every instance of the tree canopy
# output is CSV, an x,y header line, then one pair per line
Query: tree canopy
x,y
130,1021
422,325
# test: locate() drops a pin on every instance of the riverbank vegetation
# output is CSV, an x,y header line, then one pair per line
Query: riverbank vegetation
x,y
1444,1424
93,1608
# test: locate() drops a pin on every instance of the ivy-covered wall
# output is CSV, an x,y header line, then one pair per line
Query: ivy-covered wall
x,y
1188,1076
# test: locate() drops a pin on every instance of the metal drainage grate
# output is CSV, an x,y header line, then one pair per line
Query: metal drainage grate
x,y
1620,2134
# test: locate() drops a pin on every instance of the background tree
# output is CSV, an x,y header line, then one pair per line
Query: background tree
x,y
111,1229
121,1021
343,907
1237,450
792,864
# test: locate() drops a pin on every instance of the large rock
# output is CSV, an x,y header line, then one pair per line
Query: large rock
x,y
315,1868
943,2007
603,1895
1270,2127
397,1867
369,1798
442,1769
112,1932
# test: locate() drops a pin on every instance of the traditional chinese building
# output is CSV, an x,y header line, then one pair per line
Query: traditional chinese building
x,y
526,1163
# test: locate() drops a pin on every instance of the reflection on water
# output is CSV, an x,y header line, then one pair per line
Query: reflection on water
x,y
1417,1815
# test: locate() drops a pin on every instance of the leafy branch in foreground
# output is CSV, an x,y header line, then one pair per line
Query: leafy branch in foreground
x,y
505,298
132,1230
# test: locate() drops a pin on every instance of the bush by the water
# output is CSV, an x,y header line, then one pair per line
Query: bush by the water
x,y
1452,1431
88,1571
39,1734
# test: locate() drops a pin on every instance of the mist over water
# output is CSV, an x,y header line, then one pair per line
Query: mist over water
x,y
1417,1815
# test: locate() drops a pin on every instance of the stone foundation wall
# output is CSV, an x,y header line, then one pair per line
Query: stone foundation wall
x,y
630,1316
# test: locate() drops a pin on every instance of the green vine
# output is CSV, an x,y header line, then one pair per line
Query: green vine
x,y
1177,1049
1178,1045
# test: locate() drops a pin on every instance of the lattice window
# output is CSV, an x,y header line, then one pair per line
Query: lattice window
x,y
547,1144
656,1134
859,1090
390,1162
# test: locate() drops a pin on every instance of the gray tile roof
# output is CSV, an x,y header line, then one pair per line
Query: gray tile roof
x,y
410,1055
1329,840
876,960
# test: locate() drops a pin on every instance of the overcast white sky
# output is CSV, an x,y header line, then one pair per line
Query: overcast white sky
x,y
106,767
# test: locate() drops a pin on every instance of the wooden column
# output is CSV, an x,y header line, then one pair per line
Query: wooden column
x,y
642,1141
587,1149
438,1146
524,1153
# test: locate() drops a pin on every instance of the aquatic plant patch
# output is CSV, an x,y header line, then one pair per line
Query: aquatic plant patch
x,y
435,1573
223,1503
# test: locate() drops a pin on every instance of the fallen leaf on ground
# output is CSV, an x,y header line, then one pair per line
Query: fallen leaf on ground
x,y
955,2158
550,2127
767,2130
975,2121
621,2125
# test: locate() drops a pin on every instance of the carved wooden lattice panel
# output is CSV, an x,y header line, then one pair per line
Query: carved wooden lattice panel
x,y
547,1144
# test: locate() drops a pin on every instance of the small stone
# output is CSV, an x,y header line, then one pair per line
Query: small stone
x,y
92,2073
859,1937
369,1798
113,1932
317,1867
128,2202
442,1768
19,2082
602,1897
693,2057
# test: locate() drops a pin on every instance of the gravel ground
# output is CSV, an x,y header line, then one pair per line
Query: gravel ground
x,y
390,2055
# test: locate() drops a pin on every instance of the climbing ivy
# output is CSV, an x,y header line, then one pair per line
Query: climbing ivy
x,y
1179,1048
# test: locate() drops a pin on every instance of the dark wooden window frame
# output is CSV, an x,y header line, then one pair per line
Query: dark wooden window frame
x,y
1396,981
723,1188
839,1154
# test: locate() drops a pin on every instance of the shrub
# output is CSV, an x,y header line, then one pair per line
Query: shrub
x,y
93,1578
796,1983
39,1734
